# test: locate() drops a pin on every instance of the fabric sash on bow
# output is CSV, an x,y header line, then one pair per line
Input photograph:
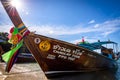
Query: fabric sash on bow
x,y
11,56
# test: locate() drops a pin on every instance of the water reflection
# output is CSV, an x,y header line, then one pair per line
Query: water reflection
x,y
98,75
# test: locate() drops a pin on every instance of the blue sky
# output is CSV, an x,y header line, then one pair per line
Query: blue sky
x,y
69,20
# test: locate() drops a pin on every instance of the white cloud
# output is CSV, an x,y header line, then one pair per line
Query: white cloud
x,y
90,40
96,25
104,28
109,27
107,33
5,28
59,30
92,21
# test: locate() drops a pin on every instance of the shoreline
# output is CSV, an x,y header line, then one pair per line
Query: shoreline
x,y
28,71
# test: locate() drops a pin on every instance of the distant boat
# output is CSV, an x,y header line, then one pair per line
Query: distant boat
x,y
58,57
4,44
1,40
25,58
24,55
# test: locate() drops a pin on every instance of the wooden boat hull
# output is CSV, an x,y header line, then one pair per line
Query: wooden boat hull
x,y
55,56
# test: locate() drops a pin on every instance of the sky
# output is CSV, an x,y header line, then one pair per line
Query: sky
x,y
69,20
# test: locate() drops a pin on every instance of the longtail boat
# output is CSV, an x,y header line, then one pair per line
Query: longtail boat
x,y
56,56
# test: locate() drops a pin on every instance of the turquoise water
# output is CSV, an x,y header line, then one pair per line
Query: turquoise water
x,y
118,72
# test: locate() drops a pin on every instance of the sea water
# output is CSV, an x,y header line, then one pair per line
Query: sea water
x,y
118,71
